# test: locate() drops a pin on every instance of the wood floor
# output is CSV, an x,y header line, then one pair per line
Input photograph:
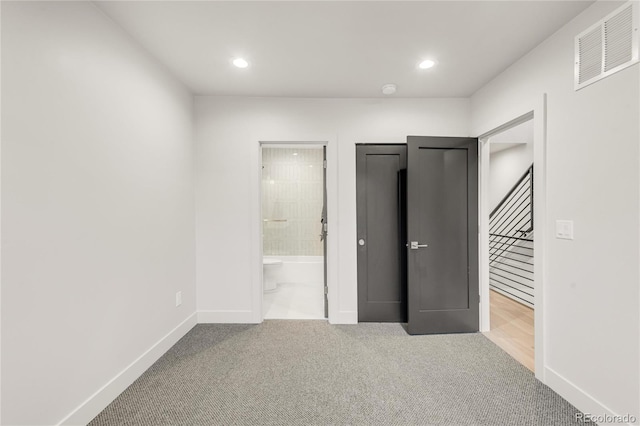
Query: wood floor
x,y
512,328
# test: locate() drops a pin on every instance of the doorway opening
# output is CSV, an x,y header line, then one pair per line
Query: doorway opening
x,y
511,256
294,231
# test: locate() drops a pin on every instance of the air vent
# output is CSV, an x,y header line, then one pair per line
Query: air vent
x,y
590,54
618,39
608,46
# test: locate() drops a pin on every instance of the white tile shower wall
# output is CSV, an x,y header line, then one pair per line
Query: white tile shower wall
x,y
292,187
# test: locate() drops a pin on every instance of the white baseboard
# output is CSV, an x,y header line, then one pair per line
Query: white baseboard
x,y
576,396
247,317
226,317
345,317
97,402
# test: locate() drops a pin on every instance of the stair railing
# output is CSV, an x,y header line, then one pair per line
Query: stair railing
x,y
511,242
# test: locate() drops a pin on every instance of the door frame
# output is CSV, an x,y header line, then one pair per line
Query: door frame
x,y
537,113
256,247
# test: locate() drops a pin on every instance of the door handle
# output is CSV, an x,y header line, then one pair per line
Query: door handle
x,y
415,245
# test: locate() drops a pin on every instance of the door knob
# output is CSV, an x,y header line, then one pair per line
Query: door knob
x,y
361,242
415,245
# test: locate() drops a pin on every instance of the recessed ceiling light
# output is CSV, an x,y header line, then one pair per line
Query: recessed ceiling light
x,y
240,63
426,64
295,153
389,89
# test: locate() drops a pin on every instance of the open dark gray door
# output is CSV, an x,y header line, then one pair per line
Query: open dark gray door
x,y
380,189
442,234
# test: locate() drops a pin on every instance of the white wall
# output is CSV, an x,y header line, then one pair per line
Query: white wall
x,y
506,167
97,208
227,135
591,298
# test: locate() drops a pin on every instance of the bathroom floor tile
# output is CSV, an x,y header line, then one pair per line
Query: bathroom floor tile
x,y
295,301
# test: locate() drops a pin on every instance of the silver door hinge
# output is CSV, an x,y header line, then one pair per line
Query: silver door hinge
x,y
326,290
324,163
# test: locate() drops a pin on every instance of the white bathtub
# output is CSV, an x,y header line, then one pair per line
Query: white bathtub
x,y
299,269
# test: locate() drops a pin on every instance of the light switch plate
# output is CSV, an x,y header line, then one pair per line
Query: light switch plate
x,y
564,229
178,299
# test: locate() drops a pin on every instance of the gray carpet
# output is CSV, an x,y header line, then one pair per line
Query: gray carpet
x,y
312,373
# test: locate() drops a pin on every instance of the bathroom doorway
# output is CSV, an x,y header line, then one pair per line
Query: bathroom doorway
x,y
294,231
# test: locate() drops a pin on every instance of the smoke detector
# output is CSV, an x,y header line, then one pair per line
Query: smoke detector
x,y
389,89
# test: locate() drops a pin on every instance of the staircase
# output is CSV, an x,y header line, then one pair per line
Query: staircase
x,y
511,243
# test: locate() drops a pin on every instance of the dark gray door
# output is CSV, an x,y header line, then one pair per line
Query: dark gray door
x,y
381,206
442,234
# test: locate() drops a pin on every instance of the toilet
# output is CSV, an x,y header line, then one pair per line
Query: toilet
x,y
270,268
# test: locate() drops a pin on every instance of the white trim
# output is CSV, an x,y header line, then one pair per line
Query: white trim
x,y
576,396
332,215
540,241
537,111
333,254
483,231
255,216
296,259
0,225
345,317
508,125
226,317
97,402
